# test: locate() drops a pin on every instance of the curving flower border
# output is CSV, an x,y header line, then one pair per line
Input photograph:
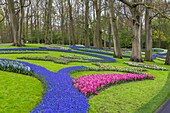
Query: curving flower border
x,y
92,84
96,50
103,58
60,95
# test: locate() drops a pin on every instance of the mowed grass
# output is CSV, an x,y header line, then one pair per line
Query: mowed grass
x,y
18,93
140,97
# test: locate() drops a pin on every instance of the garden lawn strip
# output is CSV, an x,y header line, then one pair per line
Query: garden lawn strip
x,y
155,67
60,94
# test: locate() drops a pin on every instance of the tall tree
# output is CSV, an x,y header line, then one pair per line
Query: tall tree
x,y
48,21
136,28
87,41
148,32
98,40
20,34
61,11
71,23
13,20
167,61
114,30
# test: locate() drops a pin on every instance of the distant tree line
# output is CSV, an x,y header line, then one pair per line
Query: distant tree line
x,y
119,24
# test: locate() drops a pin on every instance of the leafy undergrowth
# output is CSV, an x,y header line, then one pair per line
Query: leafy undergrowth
x,y
19,93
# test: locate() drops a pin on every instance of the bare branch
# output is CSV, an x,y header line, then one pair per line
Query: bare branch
x,y
135,4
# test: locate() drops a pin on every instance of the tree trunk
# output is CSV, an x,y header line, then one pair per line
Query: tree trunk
x,y
87,41
37,22
167,61
20,35
48,21
31,25
98,24
62,23
114,31
8,24
26,29
94,37
105,20
38,28
159,32
109,36
71,23
136,41
13,20
148,31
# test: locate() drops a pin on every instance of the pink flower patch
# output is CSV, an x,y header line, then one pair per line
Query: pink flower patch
x,y
89,85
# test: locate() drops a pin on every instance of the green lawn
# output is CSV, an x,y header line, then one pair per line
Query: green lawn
x,y
18,93
140,97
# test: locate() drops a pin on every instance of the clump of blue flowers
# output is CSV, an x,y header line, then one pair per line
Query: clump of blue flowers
x,y
13,66
60,95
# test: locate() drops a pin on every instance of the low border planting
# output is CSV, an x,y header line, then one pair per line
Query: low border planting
x,y
155,67
55,47
77,57
106,67
54,59
91,85
91,50
13,66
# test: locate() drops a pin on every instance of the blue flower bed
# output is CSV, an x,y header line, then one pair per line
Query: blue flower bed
x,y
95,51
92,47
60,96
159,55
105,58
